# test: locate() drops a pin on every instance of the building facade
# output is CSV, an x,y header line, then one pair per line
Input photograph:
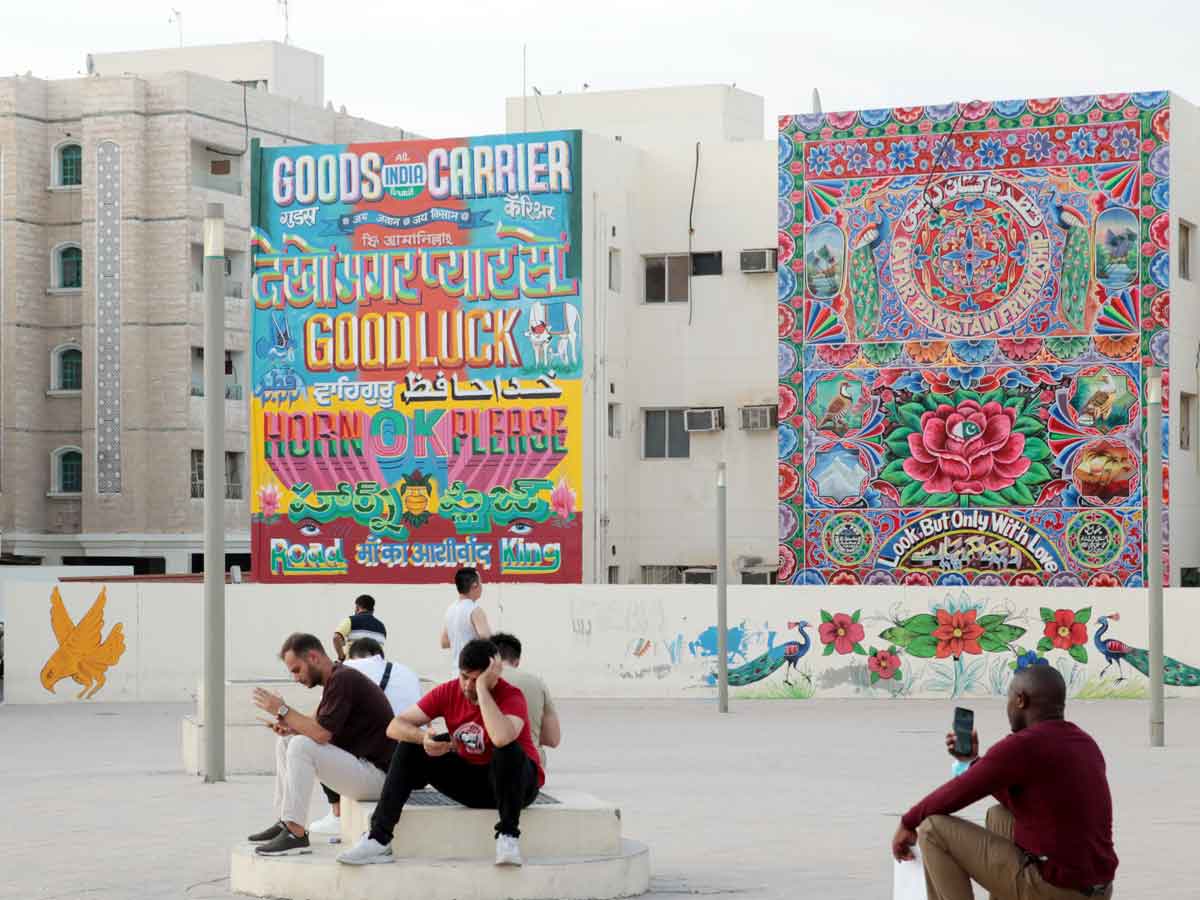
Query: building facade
x,y
103,185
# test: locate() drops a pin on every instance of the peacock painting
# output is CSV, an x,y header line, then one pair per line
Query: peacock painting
x,y
1077,267
761,666
1175,673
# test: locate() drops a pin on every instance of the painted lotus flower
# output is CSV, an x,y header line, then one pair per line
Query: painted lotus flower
x,y
957,633
884,664
844,576
562,500
841,632
1020,349
953,632
926,352
268,501
1123,346
974,351
838,355
967,449
1026,579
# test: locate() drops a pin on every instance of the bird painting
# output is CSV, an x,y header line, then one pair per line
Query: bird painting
x,y
789,654
1099,403
1175,673
840,408
80,655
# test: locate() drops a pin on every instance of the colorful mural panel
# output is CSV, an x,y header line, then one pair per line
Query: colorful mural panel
x,y
969,296
418,360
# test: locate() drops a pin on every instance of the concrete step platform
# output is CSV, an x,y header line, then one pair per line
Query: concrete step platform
x,y
318,876
560,823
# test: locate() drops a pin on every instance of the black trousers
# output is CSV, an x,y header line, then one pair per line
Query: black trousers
x,y
509,783
331,795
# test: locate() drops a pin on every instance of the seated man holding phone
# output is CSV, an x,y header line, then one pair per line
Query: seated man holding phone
x,y
486,759
1050,837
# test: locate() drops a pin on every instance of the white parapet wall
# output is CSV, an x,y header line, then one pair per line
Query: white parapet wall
x,y
624,640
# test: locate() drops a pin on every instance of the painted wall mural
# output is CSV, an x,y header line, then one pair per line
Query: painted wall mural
x,y
969,296
417,360
81,655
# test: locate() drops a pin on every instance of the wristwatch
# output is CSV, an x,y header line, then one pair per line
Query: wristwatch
x,y
283,711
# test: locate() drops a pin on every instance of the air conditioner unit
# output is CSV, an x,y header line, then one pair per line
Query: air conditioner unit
x,y
699,576
760,418
754,261
707,419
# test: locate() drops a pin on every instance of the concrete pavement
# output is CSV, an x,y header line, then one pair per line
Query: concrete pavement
x,y
778,799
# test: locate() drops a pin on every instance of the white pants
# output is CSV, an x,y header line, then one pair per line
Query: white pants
x,y
300,762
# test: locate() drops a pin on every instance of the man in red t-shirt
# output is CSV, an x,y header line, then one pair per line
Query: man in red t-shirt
x,y
486,760
1051,836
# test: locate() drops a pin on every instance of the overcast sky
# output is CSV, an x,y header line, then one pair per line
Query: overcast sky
x,y
445,67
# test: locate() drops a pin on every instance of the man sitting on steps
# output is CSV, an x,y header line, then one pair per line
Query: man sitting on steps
x,y
487,759
543,717
345,745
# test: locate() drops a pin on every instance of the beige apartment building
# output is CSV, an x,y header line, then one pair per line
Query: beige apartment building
x,y
103,183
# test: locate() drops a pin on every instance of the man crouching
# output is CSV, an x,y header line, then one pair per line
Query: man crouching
x,y
486,760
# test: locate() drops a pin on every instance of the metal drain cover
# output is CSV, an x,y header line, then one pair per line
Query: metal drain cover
x,y
427,797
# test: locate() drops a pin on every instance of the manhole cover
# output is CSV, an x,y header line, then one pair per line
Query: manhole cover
x,y
427,797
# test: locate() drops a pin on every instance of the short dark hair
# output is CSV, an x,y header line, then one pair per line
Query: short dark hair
x,y
301,643
465,579
365,602
508,646
476,655
365,648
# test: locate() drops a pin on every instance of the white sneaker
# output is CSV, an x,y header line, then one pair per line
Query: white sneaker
x,y
327,824
508,850
366,852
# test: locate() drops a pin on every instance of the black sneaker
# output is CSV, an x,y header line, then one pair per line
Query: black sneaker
x,y
285,844
267,833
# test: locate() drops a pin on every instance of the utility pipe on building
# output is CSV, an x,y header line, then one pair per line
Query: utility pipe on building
x,y
214,493
1154,569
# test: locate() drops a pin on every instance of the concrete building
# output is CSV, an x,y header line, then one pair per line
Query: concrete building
x,y
103,184
680,309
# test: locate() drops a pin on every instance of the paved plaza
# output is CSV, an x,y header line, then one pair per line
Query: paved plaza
x,y
776,800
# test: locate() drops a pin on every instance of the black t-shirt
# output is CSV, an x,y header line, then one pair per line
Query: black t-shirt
x,y
357,713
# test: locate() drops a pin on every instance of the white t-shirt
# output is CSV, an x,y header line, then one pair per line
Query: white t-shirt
x,y
403,688
459,628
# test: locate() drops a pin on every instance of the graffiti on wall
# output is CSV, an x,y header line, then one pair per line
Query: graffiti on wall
x,y
417,373
969,297
81,654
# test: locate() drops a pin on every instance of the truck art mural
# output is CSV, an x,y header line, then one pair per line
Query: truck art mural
x,y
969,298
417,360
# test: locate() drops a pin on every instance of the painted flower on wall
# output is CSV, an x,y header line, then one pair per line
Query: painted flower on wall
x,y
974,351
1065,630
953,632
1122,346
926,352
842,633
885,664
1028,658
562,500
1020,349
957,633
838,355
967,449
268,503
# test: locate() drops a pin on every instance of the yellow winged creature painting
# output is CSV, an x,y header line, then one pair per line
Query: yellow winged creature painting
x,y
80,655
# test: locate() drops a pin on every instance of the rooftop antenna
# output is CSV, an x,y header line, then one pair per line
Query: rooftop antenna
x,y
816,101
287,33
177,18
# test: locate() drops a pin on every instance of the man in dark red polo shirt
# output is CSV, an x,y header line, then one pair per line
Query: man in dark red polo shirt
x,y
486,760
1051,836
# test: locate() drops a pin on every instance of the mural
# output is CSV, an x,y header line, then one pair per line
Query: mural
x,y
969,296
417,374
81,656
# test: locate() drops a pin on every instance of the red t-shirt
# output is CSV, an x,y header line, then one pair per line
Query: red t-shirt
x,y
465,721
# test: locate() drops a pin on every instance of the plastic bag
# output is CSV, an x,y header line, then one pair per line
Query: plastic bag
x,y
908,878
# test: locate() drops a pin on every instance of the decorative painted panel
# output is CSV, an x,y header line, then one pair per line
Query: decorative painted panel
x,y
108,318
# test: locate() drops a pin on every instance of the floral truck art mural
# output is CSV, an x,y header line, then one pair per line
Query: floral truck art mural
x,y
969,298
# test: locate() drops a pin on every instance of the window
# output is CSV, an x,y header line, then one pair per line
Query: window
x,y
662,574
66,474
614,574
70,165
1187,414
1185,249
68,267
667,278
66,369
665,437
233,475
706,263
700,576
755,576
614,270
614,420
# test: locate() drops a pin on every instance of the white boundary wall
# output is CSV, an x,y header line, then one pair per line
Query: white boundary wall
x,y
586,641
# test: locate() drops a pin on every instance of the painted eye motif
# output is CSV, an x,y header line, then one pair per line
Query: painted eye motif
x,y
965,430
309,528
520,527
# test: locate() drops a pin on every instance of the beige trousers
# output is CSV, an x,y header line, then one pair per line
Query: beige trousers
x,y
957,852
300,762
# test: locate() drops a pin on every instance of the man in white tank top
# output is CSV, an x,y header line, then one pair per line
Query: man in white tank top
x,y
465,619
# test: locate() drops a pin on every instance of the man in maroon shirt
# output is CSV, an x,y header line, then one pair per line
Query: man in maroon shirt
x,y
1051,836
486,760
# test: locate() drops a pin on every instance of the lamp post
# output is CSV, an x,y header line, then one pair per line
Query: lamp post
x,y
214,493
1154,570
722,591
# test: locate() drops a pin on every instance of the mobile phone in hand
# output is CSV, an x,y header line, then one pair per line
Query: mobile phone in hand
x,y
964,725
442,738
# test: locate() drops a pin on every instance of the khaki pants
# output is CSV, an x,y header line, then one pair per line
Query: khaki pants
x,y
300,762
957,852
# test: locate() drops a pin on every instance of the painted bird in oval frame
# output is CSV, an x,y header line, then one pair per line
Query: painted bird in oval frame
x,y
80,655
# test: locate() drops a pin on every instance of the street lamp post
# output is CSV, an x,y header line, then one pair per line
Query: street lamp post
x,y
722,592
1154,570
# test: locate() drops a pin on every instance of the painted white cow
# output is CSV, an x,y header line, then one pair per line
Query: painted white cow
x,y
554,333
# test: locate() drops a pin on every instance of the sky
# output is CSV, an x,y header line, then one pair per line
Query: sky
x,y
445,68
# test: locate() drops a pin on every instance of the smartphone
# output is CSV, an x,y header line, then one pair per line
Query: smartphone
x,y
445,738
964,724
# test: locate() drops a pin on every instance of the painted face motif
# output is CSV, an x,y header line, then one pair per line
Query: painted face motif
x,y
416,499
